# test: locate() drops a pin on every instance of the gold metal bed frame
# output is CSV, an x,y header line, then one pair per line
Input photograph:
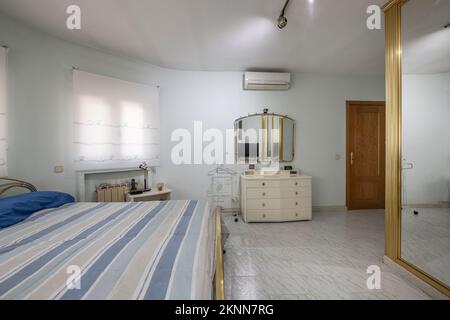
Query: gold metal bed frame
x,y
14,183
219,273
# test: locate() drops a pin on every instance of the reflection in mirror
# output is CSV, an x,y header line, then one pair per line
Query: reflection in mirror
x,y
265,138
425,217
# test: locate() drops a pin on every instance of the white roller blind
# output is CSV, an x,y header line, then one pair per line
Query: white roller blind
x,y
3,118
115,123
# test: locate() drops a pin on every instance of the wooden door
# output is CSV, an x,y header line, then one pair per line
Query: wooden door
x,y
365,155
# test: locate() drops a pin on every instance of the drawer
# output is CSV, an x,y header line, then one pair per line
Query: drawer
x,y
299,215
264,193
263,204
263,216
295,183
304,192
263,184
295,203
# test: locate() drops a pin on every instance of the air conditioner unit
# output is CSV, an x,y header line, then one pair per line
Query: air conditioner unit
x,y
267,81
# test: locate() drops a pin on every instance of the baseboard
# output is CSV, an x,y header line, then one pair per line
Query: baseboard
x,y
329,209
422,285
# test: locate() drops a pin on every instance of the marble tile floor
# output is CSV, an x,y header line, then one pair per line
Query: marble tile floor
x,y
326,258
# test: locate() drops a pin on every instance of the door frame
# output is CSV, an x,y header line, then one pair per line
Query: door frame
x,y
350,103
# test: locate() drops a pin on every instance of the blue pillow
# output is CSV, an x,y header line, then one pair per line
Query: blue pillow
x,y
18,208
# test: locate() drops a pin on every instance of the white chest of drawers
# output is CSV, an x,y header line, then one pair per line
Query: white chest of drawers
x,y
277,198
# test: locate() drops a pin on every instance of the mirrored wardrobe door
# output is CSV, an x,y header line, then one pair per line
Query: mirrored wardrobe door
x,y
425,216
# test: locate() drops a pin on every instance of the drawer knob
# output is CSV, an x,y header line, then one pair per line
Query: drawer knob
x,y
296,193
264,215
263,204
296,203
296,183
296,214
264,194
264,184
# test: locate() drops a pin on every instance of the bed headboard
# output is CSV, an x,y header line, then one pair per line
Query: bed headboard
x,y
8,183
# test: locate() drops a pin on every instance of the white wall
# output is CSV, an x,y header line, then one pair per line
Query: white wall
x,y
40,81
316,102
426,137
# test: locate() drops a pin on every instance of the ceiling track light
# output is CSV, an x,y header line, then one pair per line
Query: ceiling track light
x,y
282,21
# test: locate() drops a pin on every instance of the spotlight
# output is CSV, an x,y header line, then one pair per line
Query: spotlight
x,y
282,21
447,25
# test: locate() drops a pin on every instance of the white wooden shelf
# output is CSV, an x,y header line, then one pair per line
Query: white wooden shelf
x,y
153,195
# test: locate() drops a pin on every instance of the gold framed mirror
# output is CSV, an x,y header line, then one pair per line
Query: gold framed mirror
x,y
264,138
417,224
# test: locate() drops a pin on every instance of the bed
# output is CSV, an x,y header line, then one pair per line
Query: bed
x,y
119,251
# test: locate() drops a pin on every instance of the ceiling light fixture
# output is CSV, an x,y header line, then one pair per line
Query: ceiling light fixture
x,y
282,21
447,25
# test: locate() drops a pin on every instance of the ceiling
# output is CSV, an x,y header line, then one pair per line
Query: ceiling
x,y
325,36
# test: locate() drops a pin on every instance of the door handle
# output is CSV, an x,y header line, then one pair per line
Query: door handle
x,y
409,166
351,158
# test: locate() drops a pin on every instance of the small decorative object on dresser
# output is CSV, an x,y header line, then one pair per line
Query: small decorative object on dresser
x,y
276,197
160,186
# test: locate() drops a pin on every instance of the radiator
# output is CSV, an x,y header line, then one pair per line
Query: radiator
x,y
112,193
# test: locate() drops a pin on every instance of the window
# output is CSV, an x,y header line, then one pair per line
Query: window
x,y
3,118
115,123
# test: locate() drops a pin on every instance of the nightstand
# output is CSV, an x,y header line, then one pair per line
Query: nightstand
x,y
153,195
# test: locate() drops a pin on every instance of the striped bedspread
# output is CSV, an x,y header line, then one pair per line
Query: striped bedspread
x,y
144,250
